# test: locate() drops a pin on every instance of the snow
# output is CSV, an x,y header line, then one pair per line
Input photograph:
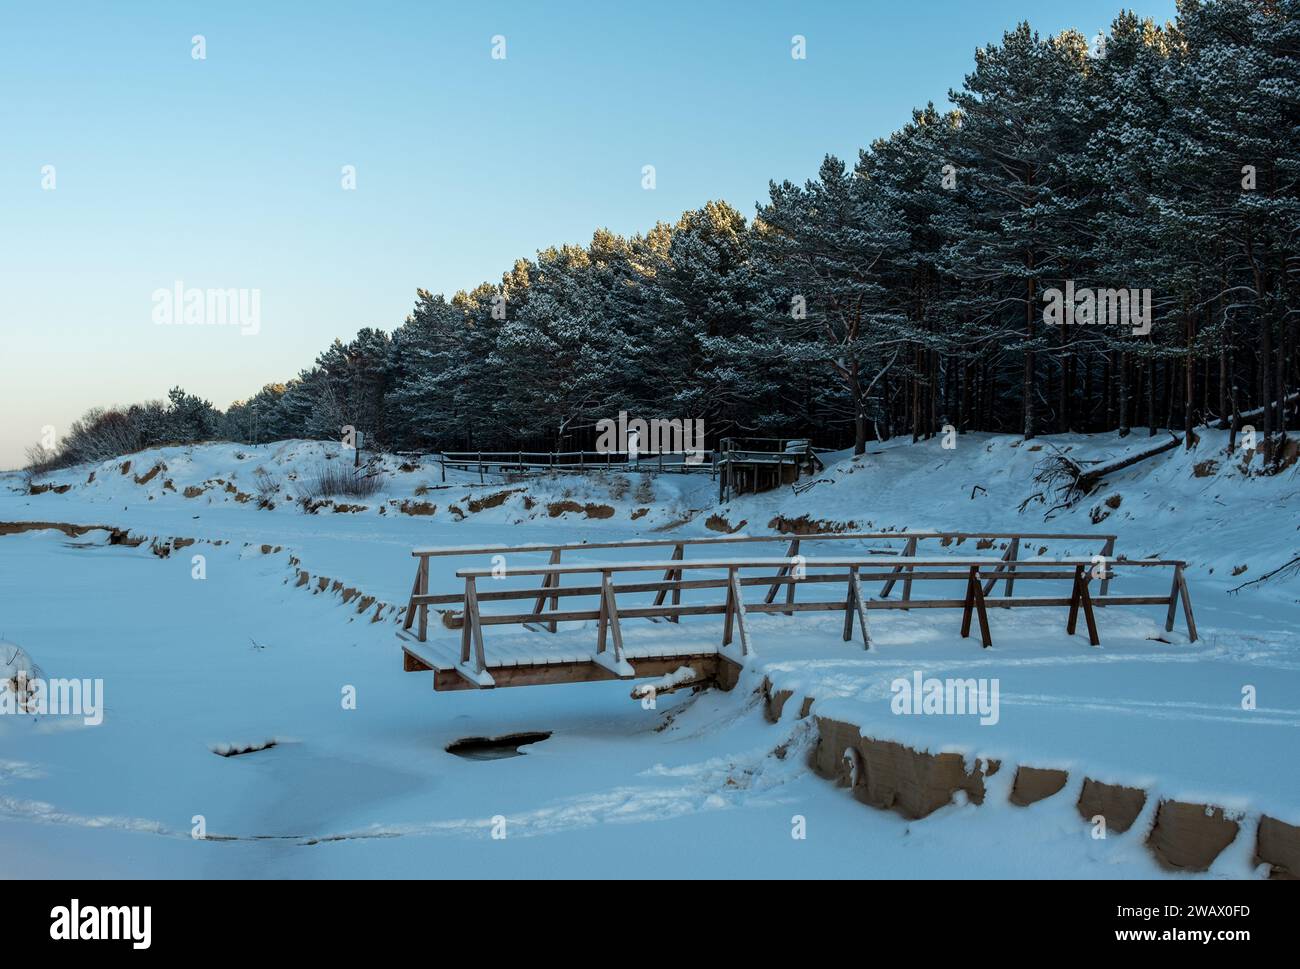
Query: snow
x,y
197,667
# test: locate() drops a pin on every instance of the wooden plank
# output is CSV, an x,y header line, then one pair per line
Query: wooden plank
x,y
783,571
997,572
856,599
412,663
422,577
1108,553
907,583
1072,622
1187,602
737,614
974,603
790,589
729,613
716,609
958,537
1085,599
582,671
475,627
672,576
1174,592
1081,600
550,580
555,599
415,591
719,583
609,620
985,637
722,565
465,631
862,613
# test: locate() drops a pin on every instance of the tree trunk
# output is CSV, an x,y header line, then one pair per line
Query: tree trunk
x,y
1124,419
1031,411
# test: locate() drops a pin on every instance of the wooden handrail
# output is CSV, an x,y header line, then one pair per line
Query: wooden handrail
x,y
1007,568
733,539
472,664
678,565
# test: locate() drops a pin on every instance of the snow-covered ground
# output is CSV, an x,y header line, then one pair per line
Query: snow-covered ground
x,y
702,785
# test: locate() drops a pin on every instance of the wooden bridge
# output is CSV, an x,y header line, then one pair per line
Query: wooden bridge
x,y
573,462
469,664
742,465
747,465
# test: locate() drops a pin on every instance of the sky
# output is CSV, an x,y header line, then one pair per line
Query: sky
x,y
128,165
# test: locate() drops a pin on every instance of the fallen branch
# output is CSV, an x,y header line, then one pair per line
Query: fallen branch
x,y
1070,481
1025,504
1290,567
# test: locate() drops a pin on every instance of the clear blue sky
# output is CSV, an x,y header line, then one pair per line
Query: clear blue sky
x,y
225,172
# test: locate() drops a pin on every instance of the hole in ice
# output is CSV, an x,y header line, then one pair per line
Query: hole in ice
x,y
234,750
495,748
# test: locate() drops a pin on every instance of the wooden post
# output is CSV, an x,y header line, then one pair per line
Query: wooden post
x,y
1013,547
609,619
1012,554
730,610
671,575
856,588
480,467
549,581
735,614
472,629
1179,591
784,570
1073,620
1107,552
465,632
975,603
410,603
907,583
442,461
1080,598
1173,602
422,583
908,550
853,604
555,584
790,589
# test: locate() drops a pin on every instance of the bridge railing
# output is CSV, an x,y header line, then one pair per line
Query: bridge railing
x,y
851,572
568,462
417,611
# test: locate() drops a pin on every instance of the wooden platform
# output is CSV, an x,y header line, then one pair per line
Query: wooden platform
x,y
563,666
